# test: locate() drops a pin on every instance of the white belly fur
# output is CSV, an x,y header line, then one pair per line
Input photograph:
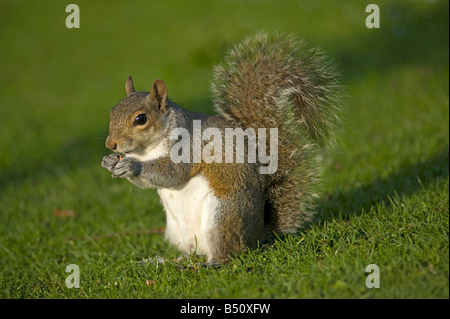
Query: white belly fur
x,y
191,212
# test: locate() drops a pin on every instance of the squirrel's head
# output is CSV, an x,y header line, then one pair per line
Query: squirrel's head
x,y
138,121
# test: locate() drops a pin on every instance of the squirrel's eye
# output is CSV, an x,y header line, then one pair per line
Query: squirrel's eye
x,y
141,119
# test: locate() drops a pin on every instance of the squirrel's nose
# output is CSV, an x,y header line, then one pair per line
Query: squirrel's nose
x,y
110,144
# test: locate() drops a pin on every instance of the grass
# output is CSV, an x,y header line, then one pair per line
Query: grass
x,y
385,188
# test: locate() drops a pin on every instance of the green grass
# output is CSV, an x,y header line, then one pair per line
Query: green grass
x,y
385,188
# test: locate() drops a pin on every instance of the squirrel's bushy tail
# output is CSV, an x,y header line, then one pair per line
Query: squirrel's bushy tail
x,y
274,81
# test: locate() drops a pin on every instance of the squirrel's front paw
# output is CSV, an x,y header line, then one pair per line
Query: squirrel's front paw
x,y
126,168
110,161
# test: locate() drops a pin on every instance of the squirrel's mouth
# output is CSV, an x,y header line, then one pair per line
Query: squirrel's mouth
x,y
127,153
126,150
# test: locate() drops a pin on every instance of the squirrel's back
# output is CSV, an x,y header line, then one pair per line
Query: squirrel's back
x,y
275,81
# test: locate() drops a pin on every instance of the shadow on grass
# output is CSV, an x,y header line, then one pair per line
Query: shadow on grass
x,y
407,36
404,182
76,152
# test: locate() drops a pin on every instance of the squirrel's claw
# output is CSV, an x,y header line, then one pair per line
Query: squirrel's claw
x,y
110,161
122,169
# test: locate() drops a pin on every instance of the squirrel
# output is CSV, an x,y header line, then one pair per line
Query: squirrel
x,y
218,208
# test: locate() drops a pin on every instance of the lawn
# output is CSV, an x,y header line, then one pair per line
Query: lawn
x,y
385,187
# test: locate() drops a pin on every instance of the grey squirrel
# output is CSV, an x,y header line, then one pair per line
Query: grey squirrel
x,y
217,208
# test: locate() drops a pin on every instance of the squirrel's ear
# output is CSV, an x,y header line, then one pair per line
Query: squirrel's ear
x,y
129,88
159,93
